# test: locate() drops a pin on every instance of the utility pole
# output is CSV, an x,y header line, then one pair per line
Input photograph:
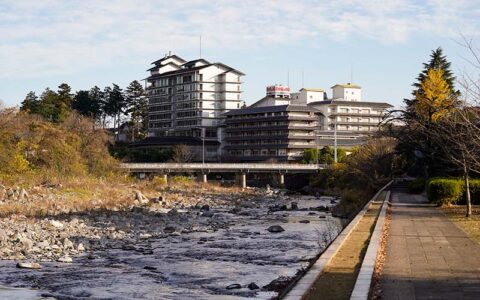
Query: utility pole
x,y
335,140
200,46
203,146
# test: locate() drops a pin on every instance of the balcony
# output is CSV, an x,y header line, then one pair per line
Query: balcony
x,y
355,123
347,114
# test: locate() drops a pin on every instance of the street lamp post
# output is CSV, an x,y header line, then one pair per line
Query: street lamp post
x,y
203,145
335,140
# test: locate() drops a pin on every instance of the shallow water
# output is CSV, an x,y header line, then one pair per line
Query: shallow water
x,y
197,265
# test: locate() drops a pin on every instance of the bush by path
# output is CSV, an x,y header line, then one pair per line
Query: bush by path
x,y
448,191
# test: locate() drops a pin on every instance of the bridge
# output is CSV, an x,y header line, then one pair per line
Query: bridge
x,y
241,169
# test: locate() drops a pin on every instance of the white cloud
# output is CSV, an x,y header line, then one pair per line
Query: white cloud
x,y
62,37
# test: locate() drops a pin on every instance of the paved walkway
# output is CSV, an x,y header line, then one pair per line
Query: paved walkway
x,y
428,257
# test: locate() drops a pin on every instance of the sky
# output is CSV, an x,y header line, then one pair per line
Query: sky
x,y
379,44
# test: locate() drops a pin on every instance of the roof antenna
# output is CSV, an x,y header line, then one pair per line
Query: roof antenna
x,y
200,46
303,79
351,72
288,77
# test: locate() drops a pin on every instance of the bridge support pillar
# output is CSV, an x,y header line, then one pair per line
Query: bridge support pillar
x,y
281,179
204,177
165,178
242,178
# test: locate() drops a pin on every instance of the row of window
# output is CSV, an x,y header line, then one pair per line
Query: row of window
x,y
258,133
259,152
249,116
356,110
365,120
258,142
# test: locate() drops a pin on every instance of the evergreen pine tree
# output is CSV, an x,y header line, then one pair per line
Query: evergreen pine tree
x,y
437,61
30,103
137,107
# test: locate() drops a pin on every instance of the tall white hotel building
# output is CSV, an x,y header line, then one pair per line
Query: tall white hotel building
x,y
187,97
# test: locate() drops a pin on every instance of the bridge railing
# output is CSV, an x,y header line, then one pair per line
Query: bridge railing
x,y
220,166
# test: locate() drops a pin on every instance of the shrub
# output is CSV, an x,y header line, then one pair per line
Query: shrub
x,y
416,186
157,180
181,179
442,191
474,191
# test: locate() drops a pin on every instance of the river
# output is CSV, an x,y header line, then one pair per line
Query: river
x,y
226,261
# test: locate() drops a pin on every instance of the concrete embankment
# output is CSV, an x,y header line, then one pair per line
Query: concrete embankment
x,y
334,274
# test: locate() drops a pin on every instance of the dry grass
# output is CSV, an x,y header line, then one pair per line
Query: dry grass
x,y
470,225
339,276
83,194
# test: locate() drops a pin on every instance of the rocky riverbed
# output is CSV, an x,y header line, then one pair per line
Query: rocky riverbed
x,y
212,247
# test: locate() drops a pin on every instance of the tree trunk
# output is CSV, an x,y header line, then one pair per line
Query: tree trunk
x,y
467,194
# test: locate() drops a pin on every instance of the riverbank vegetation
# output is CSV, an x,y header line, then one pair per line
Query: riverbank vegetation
x,y
33,150
47,168
360,175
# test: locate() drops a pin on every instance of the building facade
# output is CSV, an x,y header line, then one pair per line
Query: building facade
x,y
266,132
347,116
187,98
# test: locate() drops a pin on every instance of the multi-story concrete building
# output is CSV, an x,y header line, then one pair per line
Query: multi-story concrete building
x,y
270,129
188,97
353,118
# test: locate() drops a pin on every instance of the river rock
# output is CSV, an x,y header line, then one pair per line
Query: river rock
x,y
28,265
173,212
67,244
169,229
294,205
234,286
43,244
304,221
23,195
253,286
65,259
80,247
56,224
26,243
275,229
208,214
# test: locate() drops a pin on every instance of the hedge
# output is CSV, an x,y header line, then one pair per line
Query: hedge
x,y
445,191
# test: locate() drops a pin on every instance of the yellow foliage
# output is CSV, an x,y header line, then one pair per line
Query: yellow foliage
x,y
436,99
19,163
74,147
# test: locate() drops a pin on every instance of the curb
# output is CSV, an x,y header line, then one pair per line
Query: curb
x,y
306,282
364,278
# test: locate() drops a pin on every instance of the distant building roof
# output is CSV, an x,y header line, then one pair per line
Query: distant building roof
x,y
172,141
188,70
167,57
156,67
348,85
274,108
312,89
195,61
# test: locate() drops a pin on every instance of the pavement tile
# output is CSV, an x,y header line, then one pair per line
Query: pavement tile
x,y
428,257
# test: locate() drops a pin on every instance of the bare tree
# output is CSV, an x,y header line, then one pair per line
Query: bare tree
x,y
458,138
181,154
